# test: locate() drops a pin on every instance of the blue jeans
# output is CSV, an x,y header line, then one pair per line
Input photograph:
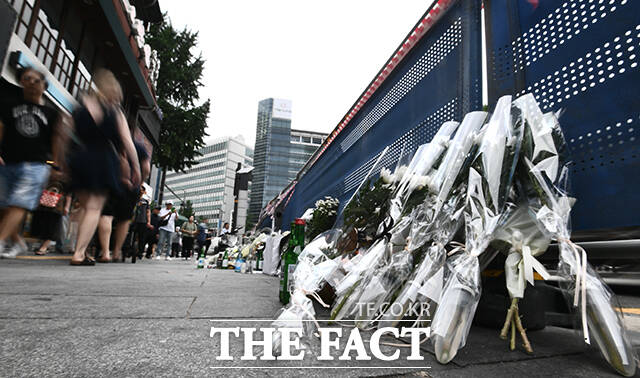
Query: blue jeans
x,y
164,238
21,184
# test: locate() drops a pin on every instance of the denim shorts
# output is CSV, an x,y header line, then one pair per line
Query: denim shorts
x,y
21,184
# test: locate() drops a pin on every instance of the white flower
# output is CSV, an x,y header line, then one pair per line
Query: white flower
x,y
386,176
399,173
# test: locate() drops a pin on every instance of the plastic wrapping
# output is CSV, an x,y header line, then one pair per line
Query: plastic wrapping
x,y
349,289
418,174
460,297
525,241
604,322
313,267
271,253
381,287
299,313
432,264
489,182
581,284
443,181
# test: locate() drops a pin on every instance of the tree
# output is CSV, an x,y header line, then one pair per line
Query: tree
x,y
186,209
184,121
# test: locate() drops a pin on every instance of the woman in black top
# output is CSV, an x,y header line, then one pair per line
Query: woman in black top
x,y
103,136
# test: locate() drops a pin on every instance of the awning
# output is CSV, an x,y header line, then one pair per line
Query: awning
x,y
147,10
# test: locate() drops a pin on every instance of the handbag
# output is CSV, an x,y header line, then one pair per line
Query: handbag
x,y
50,198
165,221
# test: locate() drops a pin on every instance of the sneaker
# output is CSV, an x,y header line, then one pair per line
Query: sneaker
x,y
15,250
167,258
2,245
158,257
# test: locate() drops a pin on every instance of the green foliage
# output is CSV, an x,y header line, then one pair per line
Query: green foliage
x,y
324,216
369,207
184,121
186,209
415,198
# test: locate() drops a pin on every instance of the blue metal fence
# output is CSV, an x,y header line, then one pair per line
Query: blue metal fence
x,y
438,80
580,56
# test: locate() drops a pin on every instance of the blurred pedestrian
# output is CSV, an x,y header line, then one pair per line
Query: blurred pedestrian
x,y
189,230
103,137
208,241
46,223
167,227
176,243
152,234
30,135
141,222
121,205
201,240
225,229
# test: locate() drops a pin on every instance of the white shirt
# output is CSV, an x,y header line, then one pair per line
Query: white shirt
x,y
171,225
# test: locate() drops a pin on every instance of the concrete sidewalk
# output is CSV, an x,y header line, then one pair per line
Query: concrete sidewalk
x,y
153,318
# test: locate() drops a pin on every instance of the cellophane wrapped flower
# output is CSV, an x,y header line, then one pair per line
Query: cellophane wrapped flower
x,y
489,182
299,313
420,168
432,212
582,286
348,290
423,287
448,174
366,298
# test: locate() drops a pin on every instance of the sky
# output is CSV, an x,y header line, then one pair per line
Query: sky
x,y
319,55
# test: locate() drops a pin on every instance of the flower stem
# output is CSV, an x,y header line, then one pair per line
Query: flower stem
x,y
514,322
507,321
513,336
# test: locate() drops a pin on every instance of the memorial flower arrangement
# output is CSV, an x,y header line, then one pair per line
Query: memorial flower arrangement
x,y
323,217
488,183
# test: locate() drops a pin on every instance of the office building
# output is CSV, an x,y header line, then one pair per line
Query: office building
x,y
209,184
280,152
303,145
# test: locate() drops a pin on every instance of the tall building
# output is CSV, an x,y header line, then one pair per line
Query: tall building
x,y
280,152
303,145
209,184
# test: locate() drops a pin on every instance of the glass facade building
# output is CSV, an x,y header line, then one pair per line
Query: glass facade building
x,y
303,145
209,184
280,153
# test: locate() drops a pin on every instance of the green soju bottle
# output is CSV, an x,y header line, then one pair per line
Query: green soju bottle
x,y
225,260
290,259
259,259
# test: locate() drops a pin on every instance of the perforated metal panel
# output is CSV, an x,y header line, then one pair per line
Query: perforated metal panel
x,y
581,57
437,81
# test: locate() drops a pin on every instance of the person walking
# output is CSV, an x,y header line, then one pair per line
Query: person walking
x,y
104,137
167,226
176,243
141,223
208,240
152,234
189,231
202,238
30,135
125,202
